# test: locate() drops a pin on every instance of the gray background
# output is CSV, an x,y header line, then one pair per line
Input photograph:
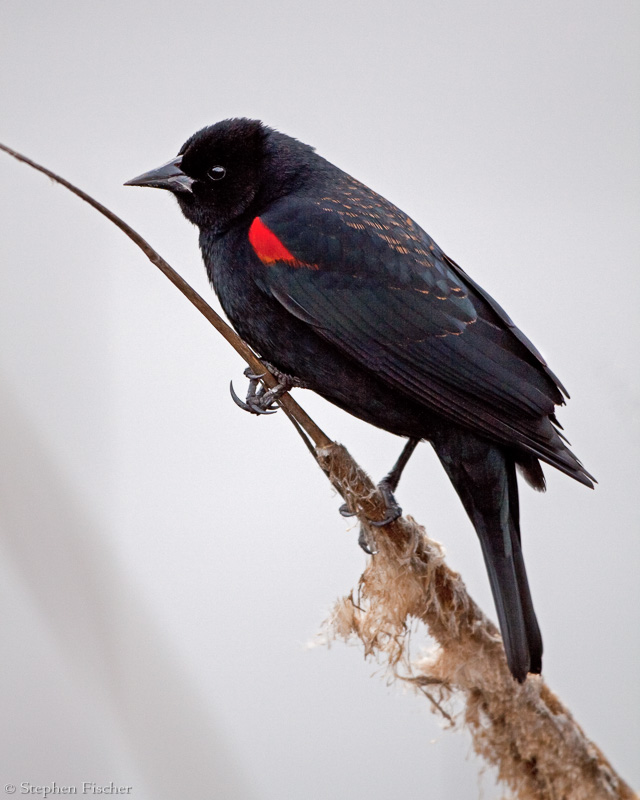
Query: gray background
x,y
165,558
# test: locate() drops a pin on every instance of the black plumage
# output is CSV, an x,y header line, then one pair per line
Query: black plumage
x,y
340,290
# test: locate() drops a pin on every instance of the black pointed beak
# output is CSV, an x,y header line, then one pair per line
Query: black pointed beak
x,y
169,176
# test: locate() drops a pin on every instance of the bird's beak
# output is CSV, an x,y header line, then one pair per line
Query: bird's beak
x,y
169,176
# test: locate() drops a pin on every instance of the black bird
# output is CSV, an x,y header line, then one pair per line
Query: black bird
x,y
344,294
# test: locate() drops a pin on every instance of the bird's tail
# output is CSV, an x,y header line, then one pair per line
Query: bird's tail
x,y
485,478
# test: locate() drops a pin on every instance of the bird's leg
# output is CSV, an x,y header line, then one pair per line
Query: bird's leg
x,y
387,487
392,480
389,484
261,400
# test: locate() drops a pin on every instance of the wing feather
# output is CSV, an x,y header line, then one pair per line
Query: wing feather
x,y
399,306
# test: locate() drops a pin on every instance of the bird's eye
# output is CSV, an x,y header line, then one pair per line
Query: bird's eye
x,y
217,173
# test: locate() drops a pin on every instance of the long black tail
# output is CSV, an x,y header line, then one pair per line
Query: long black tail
x,y
485,478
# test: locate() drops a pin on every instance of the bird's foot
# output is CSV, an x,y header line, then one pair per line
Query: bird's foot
x,y
391,504
393,511
259,399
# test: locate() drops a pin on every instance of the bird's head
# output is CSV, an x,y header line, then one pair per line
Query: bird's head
x,y
227,169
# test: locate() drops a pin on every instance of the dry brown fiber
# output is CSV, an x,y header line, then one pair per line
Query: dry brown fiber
x,y
539,750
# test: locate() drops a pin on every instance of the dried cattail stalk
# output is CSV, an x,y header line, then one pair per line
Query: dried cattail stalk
x,y
540,751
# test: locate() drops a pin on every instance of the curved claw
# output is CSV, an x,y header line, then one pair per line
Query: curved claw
x,y
344,511
246,407
248,373
367,544
237,400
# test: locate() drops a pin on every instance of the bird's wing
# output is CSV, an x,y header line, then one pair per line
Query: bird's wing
x,y
370,281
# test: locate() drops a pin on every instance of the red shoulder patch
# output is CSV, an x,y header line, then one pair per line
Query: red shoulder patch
x,y
269,248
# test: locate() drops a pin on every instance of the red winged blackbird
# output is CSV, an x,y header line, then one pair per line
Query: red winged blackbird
x,y
344,294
